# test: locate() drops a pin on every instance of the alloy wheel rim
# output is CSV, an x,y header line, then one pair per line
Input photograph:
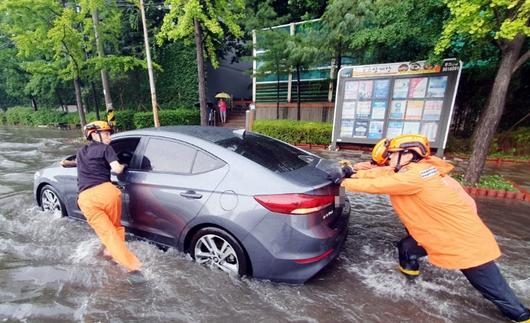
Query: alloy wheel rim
x,y
215,252
50,202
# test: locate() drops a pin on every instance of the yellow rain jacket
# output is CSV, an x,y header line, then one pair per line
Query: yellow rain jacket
x,y
435,209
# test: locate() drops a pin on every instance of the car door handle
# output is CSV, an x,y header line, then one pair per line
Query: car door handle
x,y
191,195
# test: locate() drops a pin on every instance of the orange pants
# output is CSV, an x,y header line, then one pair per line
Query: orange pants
x,y
101,206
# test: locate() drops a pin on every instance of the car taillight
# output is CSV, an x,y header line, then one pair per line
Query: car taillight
x,y
295,203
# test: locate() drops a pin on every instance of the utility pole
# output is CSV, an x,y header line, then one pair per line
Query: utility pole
x,y
149,67
104,74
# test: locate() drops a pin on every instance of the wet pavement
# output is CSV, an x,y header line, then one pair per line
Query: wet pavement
x,y
50,271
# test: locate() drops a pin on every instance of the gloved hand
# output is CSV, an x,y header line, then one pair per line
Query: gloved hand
x,y
345,163
335,173
348,171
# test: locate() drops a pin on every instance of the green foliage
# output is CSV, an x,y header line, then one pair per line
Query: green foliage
x,y
168,118
295,131
124,119
512,143
19,116
218,18
177,85
46,117
492,182
24,116
509,144
478,20
2,117
387,30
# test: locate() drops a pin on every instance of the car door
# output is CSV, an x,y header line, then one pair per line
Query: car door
x,y
171,184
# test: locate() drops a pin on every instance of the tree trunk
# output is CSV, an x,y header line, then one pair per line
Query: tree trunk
x,y
150,73
338,61
95,97
104,73
493,112
278,94
33,103
298,92
61,102
200,72
77,86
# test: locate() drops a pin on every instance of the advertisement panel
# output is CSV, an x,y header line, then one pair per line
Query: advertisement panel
x,y
386,100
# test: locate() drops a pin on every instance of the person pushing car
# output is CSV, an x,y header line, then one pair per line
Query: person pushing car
x,y
440,218
99,199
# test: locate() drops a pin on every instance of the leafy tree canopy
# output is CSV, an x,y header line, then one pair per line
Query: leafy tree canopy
x,y
217,18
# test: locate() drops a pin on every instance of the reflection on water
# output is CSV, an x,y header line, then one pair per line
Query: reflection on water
x,y
50,270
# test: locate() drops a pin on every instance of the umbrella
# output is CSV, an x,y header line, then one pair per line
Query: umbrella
x,y
222,95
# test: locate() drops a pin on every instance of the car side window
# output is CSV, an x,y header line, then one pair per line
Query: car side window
x,y
205,163
168,156
125,148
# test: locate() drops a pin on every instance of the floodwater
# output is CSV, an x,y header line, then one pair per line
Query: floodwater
x,y
50,271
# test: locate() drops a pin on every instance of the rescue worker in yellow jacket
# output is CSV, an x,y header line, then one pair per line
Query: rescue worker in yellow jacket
x,y
99,199
441,219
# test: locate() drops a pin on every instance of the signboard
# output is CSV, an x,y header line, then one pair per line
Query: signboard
x,y
386,100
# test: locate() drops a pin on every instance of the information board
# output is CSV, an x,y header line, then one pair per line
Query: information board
x,y
386,100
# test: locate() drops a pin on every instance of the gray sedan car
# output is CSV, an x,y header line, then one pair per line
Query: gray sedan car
x,y
235,200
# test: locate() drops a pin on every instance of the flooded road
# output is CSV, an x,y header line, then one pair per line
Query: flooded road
x,y
49,270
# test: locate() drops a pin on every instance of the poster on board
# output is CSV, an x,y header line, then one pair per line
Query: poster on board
x,y
411,127
429,129
363,109
350,90
437,87
346,128
378,109
414,110
417,87
381,88
397,109
394,129
360,130
376,130
433,110
365,89
401,88
348,110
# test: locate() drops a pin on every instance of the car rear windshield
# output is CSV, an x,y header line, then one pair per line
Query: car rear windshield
x,y
270,153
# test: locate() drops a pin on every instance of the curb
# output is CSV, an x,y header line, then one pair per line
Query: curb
x,y
498,161
311,146
521,195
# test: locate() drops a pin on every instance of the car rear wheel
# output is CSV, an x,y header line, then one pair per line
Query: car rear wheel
x,y
50,201
216,248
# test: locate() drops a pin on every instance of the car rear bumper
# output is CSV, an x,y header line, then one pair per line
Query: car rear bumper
x,y
294,256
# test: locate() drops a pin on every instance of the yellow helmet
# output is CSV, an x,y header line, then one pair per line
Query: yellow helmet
x,y
414,142
96,126
380,153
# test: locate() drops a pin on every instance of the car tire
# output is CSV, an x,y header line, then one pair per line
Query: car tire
x,y
50,200
226,254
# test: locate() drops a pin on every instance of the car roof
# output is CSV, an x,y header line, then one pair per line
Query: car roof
x,y
212,134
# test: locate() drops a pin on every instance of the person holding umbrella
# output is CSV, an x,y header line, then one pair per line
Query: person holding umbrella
x,y
222,105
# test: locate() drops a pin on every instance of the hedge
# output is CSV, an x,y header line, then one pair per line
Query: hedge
x,y
125,119
168,117
303,132
19,116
